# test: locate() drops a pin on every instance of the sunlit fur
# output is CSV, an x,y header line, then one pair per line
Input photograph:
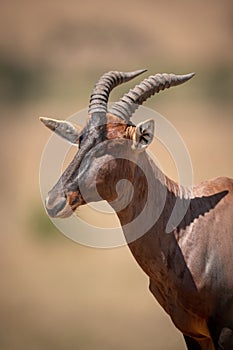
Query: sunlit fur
x,y
190,269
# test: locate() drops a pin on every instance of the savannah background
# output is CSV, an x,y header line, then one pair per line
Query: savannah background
x,y
56,294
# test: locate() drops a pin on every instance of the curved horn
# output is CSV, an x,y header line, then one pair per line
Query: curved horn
x,y
148,87
102,89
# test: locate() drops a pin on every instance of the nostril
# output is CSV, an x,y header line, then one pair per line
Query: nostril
x,y
61,204
53,211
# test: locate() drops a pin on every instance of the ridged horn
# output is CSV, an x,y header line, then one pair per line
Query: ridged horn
x,y
148,87
102,89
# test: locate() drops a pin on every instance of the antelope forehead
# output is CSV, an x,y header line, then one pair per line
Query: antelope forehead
x,y
94,137
90,136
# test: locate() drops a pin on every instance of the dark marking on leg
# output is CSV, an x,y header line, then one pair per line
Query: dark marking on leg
x,y
225,341
191,343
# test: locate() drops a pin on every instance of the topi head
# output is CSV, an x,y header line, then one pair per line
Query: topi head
x,y
108,138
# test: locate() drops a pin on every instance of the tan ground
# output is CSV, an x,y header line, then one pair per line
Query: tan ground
x,y
56,294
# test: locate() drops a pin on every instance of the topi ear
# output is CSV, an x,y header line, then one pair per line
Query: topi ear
x,y
143,135
63,128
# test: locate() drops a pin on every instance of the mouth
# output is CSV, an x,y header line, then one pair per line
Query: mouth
x,y
65,207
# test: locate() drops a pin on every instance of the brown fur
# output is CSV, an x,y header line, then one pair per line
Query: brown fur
x,y
190,269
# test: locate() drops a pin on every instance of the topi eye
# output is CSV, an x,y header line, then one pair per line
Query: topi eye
x,y
80,139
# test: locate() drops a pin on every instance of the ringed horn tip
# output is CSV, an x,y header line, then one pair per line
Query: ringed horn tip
x,y
108,81
128,104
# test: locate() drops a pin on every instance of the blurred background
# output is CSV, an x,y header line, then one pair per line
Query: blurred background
x,y
56,294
